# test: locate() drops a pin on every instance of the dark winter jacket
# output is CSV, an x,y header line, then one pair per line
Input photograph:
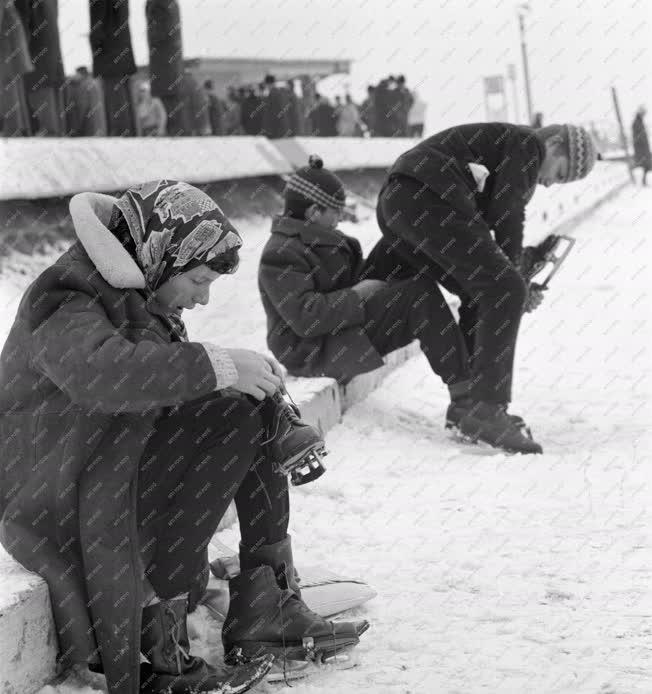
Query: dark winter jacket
x,y
314,318
276,117
641,144
513,154
323,119
85,371
111,39
252,113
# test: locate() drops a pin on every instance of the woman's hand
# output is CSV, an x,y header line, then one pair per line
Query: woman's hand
x,y
258,374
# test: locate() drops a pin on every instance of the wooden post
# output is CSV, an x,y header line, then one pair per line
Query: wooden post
x,y
623,137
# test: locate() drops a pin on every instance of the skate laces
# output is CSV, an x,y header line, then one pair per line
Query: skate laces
x,y
288,412
175,633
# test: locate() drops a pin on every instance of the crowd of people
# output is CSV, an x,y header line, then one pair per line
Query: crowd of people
x,y
271,108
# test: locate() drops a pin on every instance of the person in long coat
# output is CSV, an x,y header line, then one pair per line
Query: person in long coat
x,y
641,143
122,444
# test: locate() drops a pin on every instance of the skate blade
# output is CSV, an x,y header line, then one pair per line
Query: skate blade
x,y
309,649
303,669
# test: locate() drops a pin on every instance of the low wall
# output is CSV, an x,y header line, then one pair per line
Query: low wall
x,y
52,167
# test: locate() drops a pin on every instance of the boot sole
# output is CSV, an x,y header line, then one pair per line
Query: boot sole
x,y
310,648
476,440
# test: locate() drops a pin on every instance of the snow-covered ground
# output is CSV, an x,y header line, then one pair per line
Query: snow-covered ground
x,y
495,573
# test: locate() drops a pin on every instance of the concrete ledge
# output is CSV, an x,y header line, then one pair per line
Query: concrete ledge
x,y
360,386
28,643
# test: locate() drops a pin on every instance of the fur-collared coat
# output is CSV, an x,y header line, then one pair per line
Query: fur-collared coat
x,y
85,371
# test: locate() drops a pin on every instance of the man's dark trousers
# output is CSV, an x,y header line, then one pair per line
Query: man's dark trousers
x,y
422,237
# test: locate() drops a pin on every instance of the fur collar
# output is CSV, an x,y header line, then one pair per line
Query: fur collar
x,y
91,213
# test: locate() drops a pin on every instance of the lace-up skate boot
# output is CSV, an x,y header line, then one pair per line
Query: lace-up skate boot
x,y
296,448
490,423
267,617
171,668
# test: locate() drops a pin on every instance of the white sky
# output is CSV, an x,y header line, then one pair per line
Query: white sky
x,y
577,50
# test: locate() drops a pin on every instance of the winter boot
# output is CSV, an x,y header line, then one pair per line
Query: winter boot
x,y
171,668
489,422
267,617
296,448
460,406
462,401
278,556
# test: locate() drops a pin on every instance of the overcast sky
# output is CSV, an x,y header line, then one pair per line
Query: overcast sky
x,y
577,49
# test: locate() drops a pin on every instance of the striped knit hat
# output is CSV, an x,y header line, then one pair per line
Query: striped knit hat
x,y
582,152
314,184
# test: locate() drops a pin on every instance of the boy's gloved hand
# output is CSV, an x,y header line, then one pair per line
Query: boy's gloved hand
x,y
259,375
365,288
534,297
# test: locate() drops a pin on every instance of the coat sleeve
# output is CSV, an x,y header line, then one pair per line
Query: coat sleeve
x,y
288,280
76,346
511,193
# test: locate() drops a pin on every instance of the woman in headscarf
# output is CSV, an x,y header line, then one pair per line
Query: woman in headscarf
x,y
122,444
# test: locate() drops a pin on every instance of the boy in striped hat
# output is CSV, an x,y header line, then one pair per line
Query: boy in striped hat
x,y
325,317
452,208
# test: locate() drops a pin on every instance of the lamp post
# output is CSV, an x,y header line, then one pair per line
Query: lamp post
x,y
522,9
511,75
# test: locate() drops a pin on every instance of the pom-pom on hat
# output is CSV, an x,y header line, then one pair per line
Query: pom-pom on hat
x,y
582,152
314,184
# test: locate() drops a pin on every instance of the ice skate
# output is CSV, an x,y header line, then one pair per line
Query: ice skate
x,y
490,423
171,668
295,447
267,617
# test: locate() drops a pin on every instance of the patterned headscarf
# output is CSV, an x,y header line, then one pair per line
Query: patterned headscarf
x,y
175,227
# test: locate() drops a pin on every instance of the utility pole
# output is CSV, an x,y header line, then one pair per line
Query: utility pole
x,y
511,75
522,9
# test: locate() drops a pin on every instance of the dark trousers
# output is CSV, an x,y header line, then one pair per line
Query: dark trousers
x,y
200,456
467,262
414,308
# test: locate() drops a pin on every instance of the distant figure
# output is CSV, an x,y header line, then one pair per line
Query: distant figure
x,y
294,126
641,144
338,106
537,121
231,119
389,103
150,112
251,115
195,106
215,109
416,116
348,120
85,113
322,118
405,100
368,111
276,110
